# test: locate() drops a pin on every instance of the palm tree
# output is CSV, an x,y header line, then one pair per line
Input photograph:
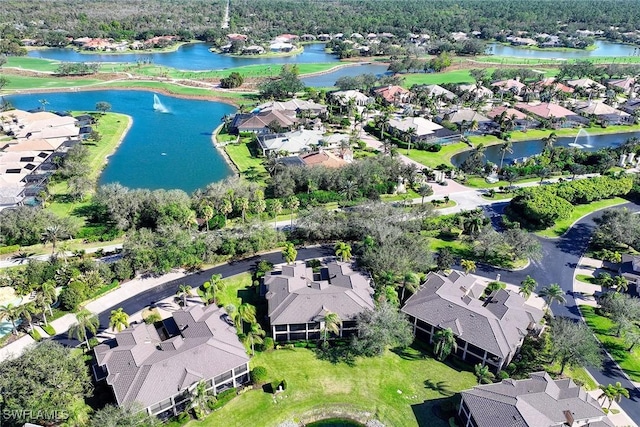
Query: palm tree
x,y
507,147
445,343
620,283
118,320
468,266
183,292
208,290
549,141
199,399
52,234
26,311
409,135
85,321
276,208
343,251
552,293
254,336
12,314
232,311
425,191
331,324
483,374
613,392
527,287
410,281
43,102
247,313
242,203
292,203
350,190
43,303
289,253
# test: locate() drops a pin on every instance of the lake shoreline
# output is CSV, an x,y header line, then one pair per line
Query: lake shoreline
x,y
222,151
117,145
162,91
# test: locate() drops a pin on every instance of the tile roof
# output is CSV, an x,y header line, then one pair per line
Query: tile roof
x,y
296,295
468,115
421,125
496,324
546,110
536,402
142,368
495,112
263,120
392,93
599,109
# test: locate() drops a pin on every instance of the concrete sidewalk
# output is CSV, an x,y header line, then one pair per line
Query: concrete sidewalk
x,y
113,298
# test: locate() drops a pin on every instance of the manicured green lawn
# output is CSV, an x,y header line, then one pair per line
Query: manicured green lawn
x,y
432,160
233,285
479,182
394,388
457,76
578,212
28,63
617,348
24,82
250,167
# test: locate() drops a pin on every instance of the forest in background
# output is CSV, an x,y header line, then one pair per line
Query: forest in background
x,y
201,19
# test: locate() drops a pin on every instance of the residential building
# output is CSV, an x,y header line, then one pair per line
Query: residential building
x,y
159,365
436,91
514,86
299,296
477,92
423,129
294,106
489,329
464,117
393,94
630,269
519,119
344,96
538,401
553,112
603,112
296,142
627,85
261,122
586,84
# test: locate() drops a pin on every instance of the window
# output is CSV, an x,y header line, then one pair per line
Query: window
x,y
314,325
298,327
222,378
240,370
281,328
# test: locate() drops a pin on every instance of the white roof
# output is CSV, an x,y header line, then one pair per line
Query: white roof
x,y
420,124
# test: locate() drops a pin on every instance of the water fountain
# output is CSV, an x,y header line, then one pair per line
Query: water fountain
x,y
575,144
158,106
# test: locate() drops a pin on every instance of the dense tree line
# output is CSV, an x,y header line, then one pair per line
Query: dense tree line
x,y
53,20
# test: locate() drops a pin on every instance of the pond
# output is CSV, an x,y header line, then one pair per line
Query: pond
x,y
603,48
169,150
335,422
329,79
192,56
530,148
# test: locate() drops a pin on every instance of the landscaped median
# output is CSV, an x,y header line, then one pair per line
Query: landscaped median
x,y
579,211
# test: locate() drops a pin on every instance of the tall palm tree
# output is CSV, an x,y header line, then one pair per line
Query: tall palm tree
x,y
549,141
292,203
276,208
85,321
507,147
469,266
207,214
42,304
254,336
118,320
52,234
331,324
210,288
183,292
247,313
445,343
410,281
409,135
552,293
12,314
232,311
242,203
527,287
26,312
483,374
620,283
199,399
43,102
343,251
613,392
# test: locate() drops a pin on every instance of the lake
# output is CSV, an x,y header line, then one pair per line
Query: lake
x,y
191,56
329,79
171,150
603,48
530,148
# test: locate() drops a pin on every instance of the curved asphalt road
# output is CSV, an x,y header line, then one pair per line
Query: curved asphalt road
x,y
559,259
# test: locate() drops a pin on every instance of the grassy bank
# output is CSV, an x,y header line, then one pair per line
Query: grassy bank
x,y
579,211
112,127
617,348
432,160
28,63
249,167
46,82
